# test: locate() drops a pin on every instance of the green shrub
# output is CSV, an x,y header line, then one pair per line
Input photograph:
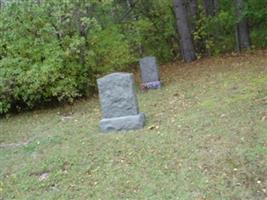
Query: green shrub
x,y
44,56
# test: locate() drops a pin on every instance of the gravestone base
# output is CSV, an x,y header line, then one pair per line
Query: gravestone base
x,y
125,123
151,85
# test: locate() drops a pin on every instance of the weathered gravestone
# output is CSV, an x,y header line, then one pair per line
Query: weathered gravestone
x,y
119,103
149,73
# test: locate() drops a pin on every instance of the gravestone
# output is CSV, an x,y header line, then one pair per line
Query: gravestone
x,y
149,73
119,103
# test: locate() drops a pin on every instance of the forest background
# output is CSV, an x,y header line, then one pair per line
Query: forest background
x,y
53,51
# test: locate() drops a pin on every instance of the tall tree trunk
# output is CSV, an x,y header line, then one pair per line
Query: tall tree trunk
x,y
192,14
192,4
186,43
211,7
242,29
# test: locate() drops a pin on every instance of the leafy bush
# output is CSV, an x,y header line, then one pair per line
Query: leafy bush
x,y
48,54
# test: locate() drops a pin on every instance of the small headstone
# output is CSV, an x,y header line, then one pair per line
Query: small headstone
x,y
119,103
149,73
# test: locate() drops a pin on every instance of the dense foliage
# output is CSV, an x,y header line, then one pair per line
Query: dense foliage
x,y
54,50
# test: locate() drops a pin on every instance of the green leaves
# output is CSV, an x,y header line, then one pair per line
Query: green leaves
x,y
55,51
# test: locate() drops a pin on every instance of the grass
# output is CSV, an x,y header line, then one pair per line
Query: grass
x,y
205,138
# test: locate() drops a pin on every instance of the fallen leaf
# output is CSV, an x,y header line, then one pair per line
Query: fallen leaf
x,y
153,127
43,176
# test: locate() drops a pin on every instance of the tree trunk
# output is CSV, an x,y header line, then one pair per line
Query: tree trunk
x,y
242,29
211,7
192,14
186,43
192,4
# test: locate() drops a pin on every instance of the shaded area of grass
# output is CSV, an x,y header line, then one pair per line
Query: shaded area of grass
x,y
205,138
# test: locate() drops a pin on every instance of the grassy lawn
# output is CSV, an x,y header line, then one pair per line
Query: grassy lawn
x,y
205,138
